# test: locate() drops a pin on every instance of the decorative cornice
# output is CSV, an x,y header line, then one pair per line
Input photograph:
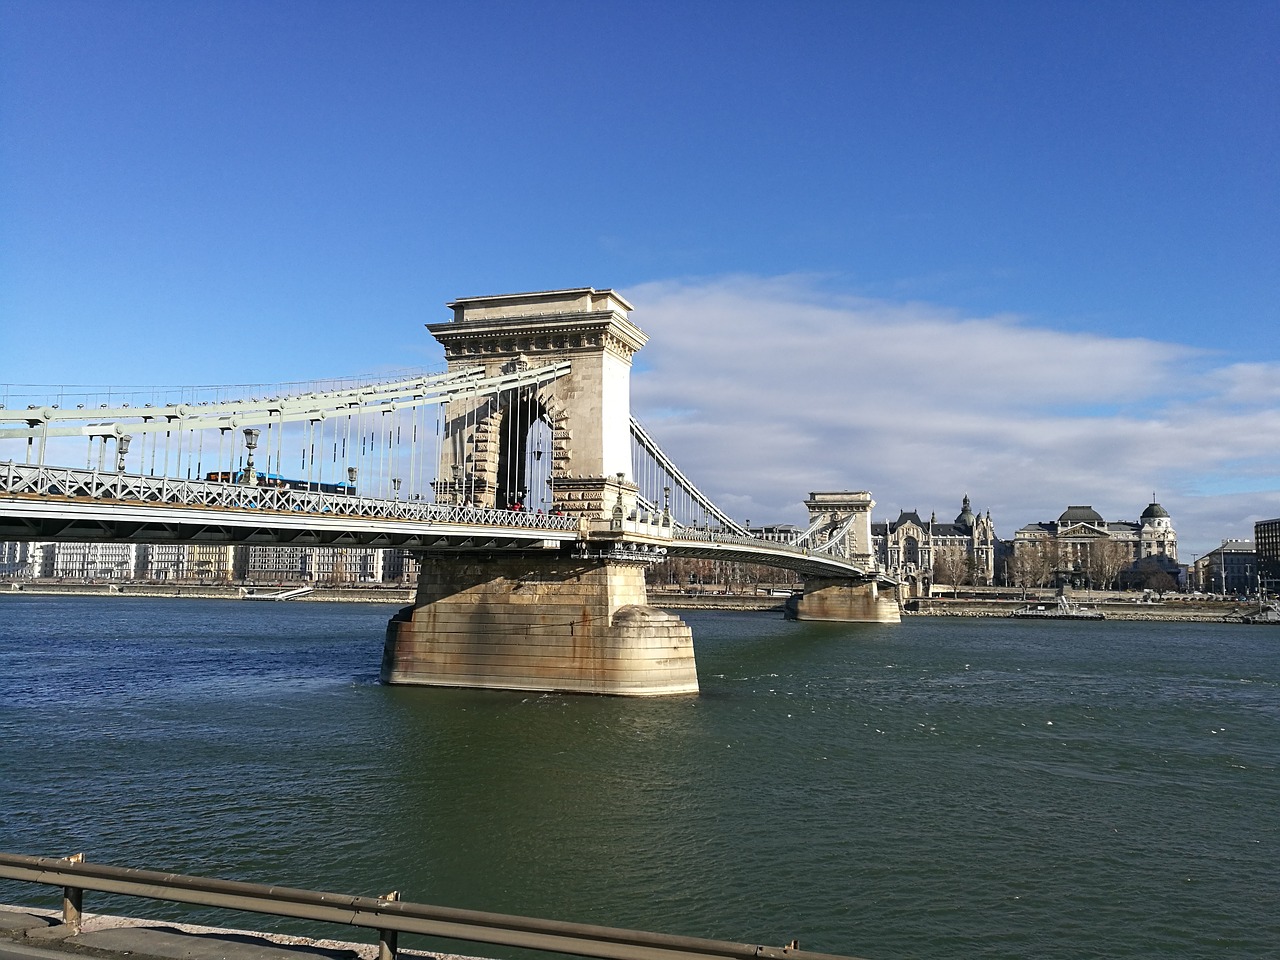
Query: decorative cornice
x,y
533,335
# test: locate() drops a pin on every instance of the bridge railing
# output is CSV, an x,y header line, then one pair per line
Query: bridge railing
x,y
388,915
34,480
865,564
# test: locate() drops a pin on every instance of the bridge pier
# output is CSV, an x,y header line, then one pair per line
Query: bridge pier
x,y
569,624
846,601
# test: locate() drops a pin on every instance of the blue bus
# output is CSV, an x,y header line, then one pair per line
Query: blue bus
x,y
285,483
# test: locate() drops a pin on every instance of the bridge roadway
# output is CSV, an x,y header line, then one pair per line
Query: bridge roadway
x,y
61,503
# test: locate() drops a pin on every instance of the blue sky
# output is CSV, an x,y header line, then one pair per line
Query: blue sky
x,y
957,198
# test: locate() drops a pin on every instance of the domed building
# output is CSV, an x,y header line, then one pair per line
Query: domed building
x,y
1081,548
916,551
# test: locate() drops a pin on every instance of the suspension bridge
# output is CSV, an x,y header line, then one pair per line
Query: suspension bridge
x,y
533,498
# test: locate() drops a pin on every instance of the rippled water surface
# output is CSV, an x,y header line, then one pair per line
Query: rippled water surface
x,y
942,788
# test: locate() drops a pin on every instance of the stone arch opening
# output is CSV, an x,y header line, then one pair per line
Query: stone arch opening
x,y
524,454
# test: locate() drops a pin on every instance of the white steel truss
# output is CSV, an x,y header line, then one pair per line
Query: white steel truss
x,y
38,422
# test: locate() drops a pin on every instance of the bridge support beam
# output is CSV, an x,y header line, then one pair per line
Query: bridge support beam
x,y
556,624
847,601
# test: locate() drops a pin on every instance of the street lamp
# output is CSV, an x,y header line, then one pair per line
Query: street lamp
x,y
395,488
122,447
251,444
618,513
352,473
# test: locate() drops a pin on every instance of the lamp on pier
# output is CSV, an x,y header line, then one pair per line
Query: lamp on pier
x,y
618,512
251,444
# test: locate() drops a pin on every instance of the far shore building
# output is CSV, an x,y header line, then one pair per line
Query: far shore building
x,y
1082,549
1266,544
16,560
1229,569
279,563
205,563
918,553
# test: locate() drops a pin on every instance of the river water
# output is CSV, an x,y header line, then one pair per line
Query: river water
x,y
940,788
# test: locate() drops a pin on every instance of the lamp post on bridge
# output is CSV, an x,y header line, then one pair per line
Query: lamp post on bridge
x,y
122,447
395,488
352,474
251,443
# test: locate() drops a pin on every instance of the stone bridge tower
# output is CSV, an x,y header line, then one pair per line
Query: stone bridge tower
x,y
572,619
846,515
588,411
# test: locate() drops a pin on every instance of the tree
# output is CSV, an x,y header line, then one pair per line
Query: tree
x,y
1151,574
1034,563
951,565
1104,561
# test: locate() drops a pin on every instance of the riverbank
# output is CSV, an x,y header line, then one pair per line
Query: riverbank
x,y
344,594
211,591
1187,611
714,601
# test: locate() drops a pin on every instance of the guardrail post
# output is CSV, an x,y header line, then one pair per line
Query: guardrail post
x,y
73,901
388,940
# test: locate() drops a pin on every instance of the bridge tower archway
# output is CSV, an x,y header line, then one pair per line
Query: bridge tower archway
x,y
587,412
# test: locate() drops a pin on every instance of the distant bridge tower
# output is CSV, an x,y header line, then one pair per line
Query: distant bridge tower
x,y
569,620
845,516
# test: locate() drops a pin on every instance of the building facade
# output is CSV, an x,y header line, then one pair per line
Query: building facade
x,y
919,553
15,560
1081,549
205,563
1266,544
1230,569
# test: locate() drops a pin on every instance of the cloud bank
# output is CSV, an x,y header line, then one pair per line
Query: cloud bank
x,y
765,389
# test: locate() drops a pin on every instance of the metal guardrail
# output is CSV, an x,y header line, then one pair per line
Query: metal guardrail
x,y
831,561
388,915
21,479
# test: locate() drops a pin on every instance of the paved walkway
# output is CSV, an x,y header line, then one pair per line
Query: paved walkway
x,y
27,934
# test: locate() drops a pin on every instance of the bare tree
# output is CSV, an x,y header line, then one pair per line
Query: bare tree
x,y
951,565
1034,563
1105,560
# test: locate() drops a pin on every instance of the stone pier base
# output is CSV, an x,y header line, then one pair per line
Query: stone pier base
x,y
555,624
847,601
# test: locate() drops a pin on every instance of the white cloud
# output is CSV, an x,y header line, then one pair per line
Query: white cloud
x,y
764,389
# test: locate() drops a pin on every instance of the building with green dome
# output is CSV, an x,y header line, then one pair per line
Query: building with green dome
x,y
1081,548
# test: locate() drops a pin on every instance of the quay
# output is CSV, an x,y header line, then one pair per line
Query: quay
x,y
212,591
1115,607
